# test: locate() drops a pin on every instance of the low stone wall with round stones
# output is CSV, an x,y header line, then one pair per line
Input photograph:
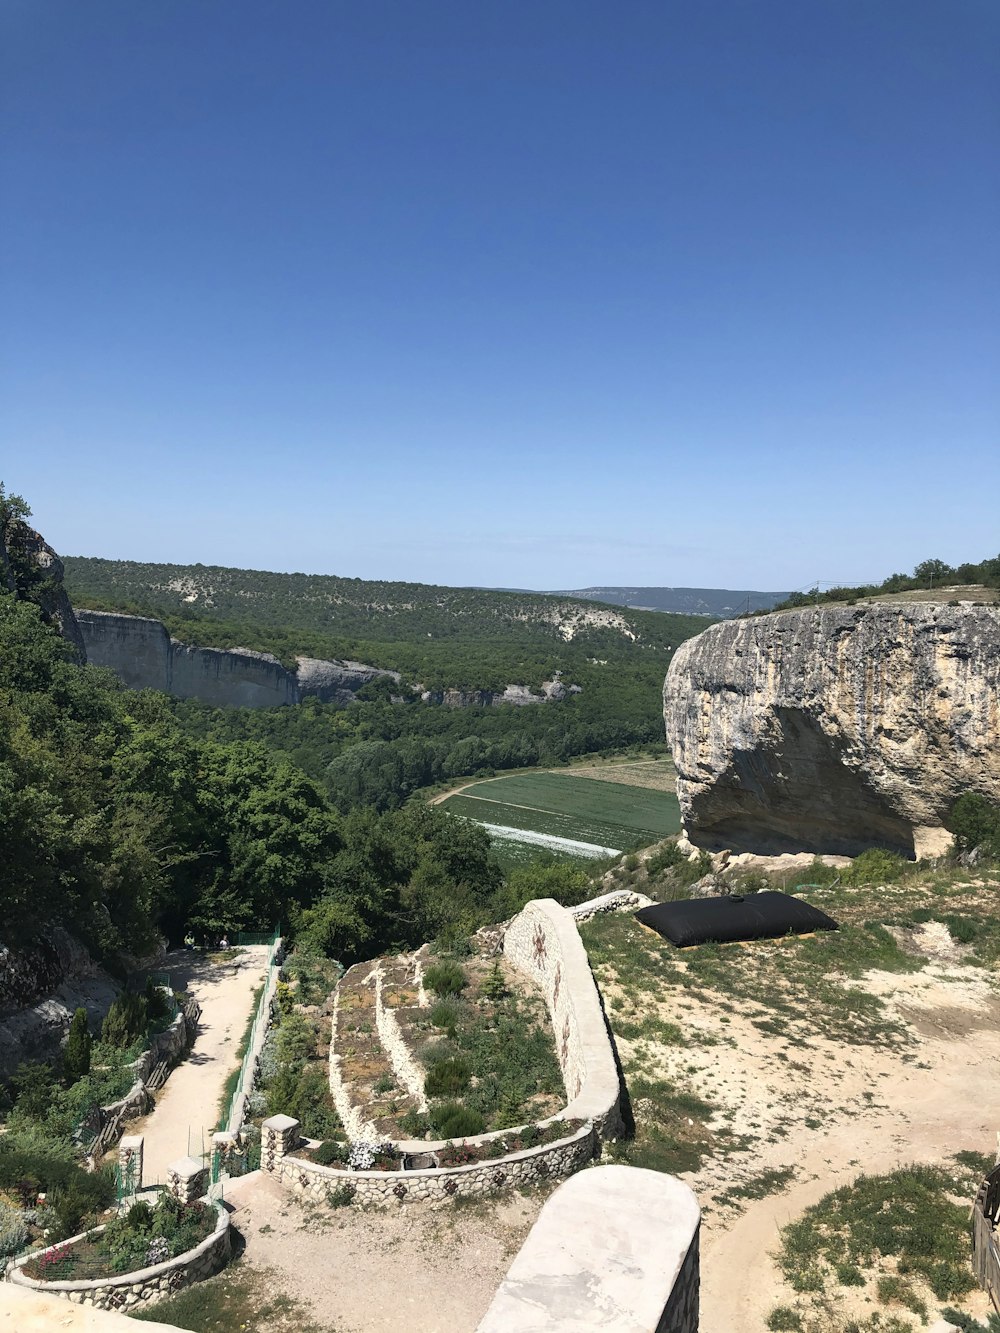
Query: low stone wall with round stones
x,y
560,1158
124,1291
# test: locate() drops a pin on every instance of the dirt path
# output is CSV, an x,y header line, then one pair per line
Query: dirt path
x,y
423,1268
949,1104
186,1108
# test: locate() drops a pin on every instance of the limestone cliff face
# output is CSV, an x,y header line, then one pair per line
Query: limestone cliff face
x,y
834,729
336,681
140,652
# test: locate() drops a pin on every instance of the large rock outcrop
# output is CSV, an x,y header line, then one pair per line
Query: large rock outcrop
x,y
835,729
30,568
336,681
41,986
140,652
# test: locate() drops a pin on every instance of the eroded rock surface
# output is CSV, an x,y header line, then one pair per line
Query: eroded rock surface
x,y
41,986
30,568
834,729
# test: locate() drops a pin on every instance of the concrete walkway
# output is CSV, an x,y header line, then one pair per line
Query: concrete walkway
x,y
187,1106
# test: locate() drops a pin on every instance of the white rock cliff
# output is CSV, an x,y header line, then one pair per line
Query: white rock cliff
x,y
836,728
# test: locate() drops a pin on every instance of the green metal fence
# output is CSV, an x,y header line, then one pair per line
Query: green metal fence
x,y
256,937
245,1081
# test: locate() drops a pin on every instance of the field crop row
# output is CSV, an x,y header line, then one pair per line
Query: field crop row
x,y
607,814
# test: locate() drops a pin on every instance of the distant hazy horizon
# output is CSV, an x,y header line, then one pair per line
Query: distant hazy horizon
x,y
562,295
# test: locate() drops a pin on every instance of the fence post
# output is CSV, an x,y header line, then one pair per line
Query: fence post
x,y
130,1152
187,1179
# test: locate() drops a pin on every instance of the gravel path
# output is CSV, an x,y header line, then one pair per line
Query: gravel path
x,y
430,1268
187,1106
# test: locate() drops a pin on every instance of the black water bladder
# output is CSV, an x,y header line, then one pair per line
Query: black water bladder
x,y
757,916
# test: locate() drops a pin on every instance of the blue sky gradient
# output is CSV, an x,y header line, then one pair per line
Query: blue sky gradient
x,y
538,295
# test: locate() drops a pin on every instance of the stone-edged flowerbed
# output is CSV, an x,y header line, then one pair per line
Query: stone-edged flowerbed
x,y
393,1038
123,1291
560,1157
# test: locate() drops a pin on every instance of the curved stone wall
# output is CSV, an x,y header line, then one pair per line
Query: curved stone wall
x,y
126,1290
560,1158
543,942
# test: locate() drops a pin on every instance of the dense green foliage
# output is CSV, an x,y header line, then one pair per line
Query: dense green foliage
x,y
379,752
975,822
114,821
929,574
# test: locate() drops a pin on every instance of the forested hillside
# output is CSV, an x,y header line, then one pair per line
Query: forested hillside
x,y
460,637
377,752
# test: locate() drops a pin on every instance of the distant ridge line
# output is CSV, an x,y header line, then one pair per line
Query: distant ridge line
x,y
721,603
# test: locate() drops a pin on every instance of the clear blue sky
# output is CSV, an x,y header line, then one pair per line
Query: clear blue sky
x,y
535,294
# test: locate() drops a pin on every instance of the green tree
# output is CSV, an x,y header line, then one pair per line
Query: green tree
x,y
76,1056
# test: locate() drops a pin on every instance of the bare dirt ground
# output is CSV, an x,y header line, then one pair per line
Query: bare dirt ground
x,y
419,1268
801,1088
186,1110
874,1113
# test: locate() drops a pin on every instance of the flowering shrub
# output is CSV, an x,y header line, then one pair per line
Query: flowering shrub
x,y
57,1265
381,1156
158,1252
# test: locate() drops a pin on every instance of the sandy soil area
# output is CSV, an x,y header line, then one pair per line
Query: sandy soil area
x,y
831,1112
420,1268
187,1105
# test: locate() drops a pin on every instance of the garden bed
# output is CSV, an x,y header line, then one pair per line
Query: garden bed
x,y
85,1269
431,1046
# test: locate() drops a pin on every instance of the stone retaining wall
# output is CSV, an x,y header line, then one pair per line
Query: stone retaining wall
x,y
543,942
560,1158
146,1285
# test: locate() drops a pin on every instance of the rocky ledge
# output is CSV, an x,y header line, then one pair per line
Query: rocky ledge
x,y
834,729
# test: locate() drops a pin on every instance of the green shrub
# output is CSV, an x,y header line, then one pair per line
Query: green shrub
x,y
446,1077
783,1319
341,1196
126,1020
875,866
668,856
451,1120
13,1230
444,1014
330,1153
494,987
975,822
305,1095
445,978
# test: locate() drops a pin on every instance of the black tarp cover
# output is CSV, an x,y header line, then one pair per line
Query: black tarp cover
x,y
757,916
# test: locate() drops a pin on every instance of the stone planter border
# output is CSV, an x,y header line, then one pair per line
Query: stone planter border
x,y
144,1286
560,1158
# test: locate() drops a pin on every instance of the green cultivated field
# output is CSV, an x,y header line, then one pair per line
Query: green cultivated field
x,y
610,814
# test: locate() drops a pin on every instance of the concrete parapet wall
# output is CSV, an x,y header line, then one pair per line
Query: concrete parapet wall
x,y
560,1158
543,942
124,1291
615,1248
